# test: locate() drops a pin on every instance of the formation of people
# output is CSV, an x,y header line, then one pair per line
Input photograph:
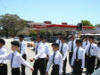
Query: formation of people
x,y
83,53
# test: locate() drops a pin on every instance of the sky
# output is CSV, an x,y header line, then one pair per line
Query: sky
x,y
57,11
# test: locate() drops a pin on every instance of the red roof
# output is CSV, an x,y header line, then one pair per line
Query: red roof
x,y
65,26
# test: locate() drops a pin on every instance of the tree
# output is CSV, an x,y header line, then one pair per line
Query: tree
x,y
11,24
86,23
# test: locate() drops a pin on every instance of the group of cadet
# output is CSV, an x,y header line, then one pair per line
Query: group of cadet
x,y
83,53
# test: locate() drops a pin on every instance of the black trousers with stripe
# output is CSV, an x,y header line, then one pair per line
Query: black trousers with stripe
x,y
55,70
3,69
90,64
40,64
77,67
22,66
15,71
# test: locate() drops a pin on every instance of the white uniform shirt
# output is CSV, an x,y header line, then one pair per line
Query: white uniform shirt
x,y
98,53
93,49
81,56
17,60
47,51
58,41
40,51
3,52
23,47
57,60
70,45
64,50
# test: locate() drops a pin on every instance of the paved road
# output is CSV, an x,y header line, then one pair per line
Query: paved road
x,y
30,54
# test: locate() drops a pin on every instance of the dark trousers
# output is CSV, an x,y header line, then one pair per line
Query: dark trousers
x,y
40,64
77,67
90,64
22,66
3,69
70,57
86,59
64,66
98,64
55,70
16,71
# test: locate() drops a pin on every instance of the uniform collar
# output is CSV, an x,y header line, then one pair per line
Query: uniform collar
x,y
15,52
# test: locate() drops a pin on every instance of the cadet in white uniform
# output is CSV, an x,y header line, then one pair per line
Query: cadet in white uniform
x,y
91,52
71,46
78,59
58,39
56,60
3,63
47,51
63,50
85,42
40,57
16,59
23,47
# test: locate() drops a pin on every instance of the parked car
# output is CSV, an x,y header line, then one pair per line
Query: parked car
x,y
28,40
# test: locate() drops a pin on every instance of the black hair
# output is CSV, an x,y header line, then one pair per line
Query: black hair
x,y
55,44
40,36
44,37
63,37
21,36
91,37
2,41
15,43
79,41
98,44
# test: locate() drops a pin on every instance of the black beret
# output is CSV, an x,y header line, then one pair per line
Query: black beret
x,y
16,43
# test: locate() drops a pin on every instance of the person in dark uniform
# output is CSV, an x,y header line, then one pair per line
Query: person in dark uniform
x,y
15,59
64,50
78,58
91,53
56,60
40,57
23,47
3,63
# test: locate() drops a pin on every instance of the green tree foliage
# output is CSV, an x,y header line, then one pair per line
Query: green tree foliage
x,y
86,23
32,33
42,32
11,24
